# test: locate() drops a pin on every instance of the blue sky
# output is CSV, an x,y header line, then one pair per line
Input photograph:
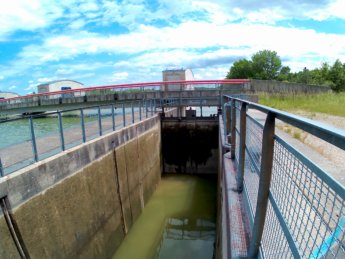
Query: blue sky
x,y
103,42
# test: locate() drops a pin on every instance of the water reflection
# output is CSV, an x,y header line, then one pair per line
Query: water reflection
x,y
187,238
178,221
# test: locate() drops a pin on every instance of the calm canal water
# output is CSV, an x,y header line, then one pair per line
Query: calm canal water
x,y
18,131
179,221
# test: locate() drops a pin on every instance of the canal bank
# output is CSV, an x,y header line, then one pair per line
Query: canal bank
x,y
81,202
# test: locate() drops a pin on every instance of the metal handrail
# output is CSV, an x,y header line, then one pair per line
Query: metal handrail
x,y
143,106
267,199
130,86
328,133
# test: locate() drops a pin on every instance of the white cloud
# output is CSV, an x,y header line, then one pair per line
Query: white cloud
x,y
190,36
79,68
187,45
201,35
30,87
88,7
34,83
37,14
265,16
77,24
118,76
45,79
63,71
27,15
334,9
12,87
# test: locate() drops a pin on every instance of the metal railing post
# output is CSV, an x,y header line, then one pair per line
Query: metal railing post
x,y
161,104
62,139
132,107
1,169
99,120
155,105
113,117
33,139
233,129
200,104
242,147
82,124
140,104
264,184
124,115
146,107
151,108
227,120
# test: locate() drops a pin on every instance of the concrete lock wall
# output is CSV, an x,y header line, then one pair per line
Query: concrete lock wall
x,y
82,202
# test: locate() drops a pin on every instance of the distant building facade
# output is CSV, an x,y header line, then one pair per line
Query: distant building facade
x,y
177,75
5,95
58,85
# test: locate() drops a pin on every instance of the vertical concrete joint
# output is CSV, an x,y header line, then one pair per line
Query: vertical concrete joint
x,y
13,228
124,224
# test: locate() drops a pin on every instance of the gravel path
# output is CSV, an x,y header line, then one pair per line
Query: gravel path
x,y
327,156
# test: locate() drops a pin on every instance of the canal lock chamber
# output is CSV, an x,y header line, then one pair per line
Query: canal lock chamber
x,y
86,202
180,219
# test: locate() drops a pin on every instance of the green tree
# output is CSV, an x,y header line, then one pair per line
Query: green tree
x,y
284,74
241,69
305,76
337,76
266,65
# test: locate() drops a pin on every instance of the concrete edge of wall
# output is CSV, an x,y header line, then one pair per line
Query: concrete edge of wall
x,y
231,243
32,180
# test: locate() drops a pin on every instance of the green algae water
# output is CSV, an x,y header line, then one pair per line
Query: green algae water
x,y
179,221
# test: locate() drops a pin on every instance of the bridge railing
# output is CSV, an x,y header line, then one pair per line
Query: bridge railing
x,y
120,88
295,208
29,139
32,138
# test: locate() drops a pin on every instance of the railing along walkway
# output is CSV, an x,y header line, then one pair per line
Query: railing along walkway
x,y
295,208
63,130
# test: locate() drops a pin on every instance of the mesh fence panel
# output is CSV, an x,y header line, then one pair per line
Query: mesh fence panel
x,y
311,208
305,215
252,163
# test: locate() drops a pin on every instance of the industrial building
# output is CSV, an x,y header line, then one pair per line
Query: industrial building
x,y
177,75
58,85
5,95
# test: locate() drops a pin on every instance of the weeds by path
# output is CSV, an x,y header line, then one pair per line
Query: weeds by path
x,y
328,103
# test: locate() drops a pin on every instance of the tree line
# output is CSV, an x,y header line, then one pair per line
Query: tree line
x,y
267,65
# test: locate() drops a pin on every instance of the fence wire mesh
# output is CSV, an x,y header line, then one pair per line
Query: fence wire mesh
x,y
254,143
306,209
311,208
252,164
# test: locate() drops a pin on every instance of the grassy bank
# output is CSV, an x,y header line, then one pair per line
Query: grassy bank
x,y
330,103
